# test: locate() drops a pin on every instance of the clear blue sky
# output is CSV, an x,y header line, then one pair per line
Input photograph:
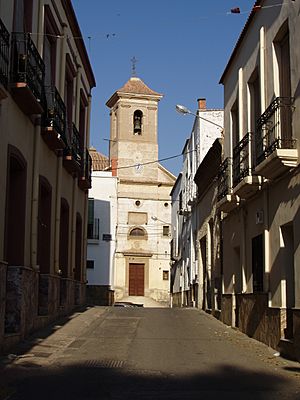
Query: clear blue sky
x,y
182,48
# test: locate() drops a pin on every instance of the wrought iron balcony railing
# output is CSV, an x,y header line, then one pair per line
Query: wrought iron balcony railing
x,y
242,159
27,64
73,148
88,168
224,179
85,178
55,112
274,128
4,54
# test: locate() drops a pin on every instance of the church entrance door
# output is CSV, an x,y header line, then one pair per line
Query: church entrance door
x,y
136,279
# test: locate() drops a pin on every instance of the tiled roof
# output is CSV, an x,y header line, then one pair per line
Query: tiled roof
x,y
100,162
137,86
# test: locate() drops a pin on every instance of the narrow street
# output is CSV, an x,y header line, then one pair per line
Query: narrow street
x,y
146,353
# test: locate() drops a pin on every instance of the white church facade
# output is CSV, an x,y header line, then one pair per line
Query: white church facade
x,y
143,227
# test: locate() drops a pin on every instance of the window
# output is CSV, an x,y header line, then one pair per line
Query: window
x,y
90,264
235,124
69,92
255,105
93,223
137,122
50,39
82,119
137,232
23,15
166,230
165,275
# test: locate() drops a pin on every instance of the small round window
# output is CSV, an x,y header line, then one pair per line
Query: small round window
x,y
166,204
137,203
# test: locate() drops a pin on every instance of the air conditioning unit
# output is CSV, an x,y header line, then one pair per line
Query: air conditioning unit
x,y
259,217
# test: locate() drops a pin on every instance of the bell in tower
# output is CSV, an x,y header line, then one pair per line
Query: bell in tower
x,y
137,122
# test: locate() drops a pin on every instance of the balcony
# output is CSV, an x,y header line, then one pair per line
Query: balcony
x,y
276,151
27,74
245,183
4,60
85,178
191,191
73,159
226,200
54,120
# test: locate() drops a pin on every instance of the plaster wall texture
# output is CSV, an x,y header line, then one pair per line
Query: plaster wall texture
x,y
24,132
104,193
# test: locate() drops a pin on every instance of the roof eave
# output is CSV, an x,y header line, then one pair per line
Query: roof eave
x,y
240,39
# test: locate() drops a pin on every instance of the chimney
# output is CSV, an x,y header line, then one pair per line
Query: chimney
x,y
114,166
201,104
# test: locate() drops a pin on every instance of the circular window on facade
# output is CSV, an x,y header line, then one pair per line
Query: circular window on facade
x,y
137,203
166,204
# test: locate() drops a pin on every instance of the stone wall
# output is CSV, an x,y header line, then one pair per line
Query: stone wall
x,y
30,301
80,293
256,319
21,300
49,294
99,295
67,294
226,309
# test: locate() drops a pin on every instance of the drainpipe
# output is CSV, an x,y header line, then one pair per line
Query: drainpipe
x,y
35,193
57,210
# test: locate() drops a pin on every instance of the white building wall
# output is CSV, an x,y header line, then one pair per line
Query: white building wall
x,y
104,193
206,129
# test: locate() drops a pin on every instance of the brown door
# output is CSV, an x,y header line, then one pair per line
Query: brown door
x,y
136,279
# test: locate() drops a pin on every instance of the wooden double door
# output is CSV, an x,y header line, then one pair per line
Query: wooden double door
x,y
136,279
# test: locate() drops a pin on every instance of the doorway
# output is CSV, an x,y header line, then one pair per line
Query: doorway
x,y
136,279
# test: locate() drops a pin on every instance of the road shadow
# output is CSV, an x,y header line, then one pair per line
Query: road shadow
x,y
92,381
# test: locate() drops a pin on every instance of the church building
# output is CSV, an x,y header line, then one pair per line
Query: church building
x,y
143,231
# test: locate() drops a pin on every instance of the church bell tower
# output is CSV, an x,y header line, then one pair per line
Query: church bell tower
x,y
133,131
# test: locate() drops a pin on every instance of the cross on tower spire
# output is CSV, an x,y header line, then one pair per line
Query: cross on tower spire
x,y
133,67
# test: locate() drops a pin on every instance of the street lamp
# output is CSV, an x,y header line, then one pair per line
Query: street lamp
x,y
154,218
184,110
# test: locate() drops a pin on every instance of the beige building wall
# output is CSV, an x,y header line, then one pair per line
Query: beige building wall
x,y
27,118
266,201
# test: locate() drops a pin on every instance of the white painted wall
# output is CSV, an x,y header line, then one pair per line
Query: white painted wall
x,y
104,193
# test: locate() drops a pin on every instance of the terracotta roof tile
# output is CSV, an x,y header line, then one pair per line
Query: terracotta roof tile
x,y
100,162
137,86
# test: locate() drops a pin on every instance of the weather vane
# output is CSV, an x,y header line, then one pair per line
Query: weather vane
x,y
133,67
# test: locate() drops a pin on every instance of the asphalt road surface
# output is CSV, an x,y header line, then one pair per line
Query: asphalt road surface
x,y
145,354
